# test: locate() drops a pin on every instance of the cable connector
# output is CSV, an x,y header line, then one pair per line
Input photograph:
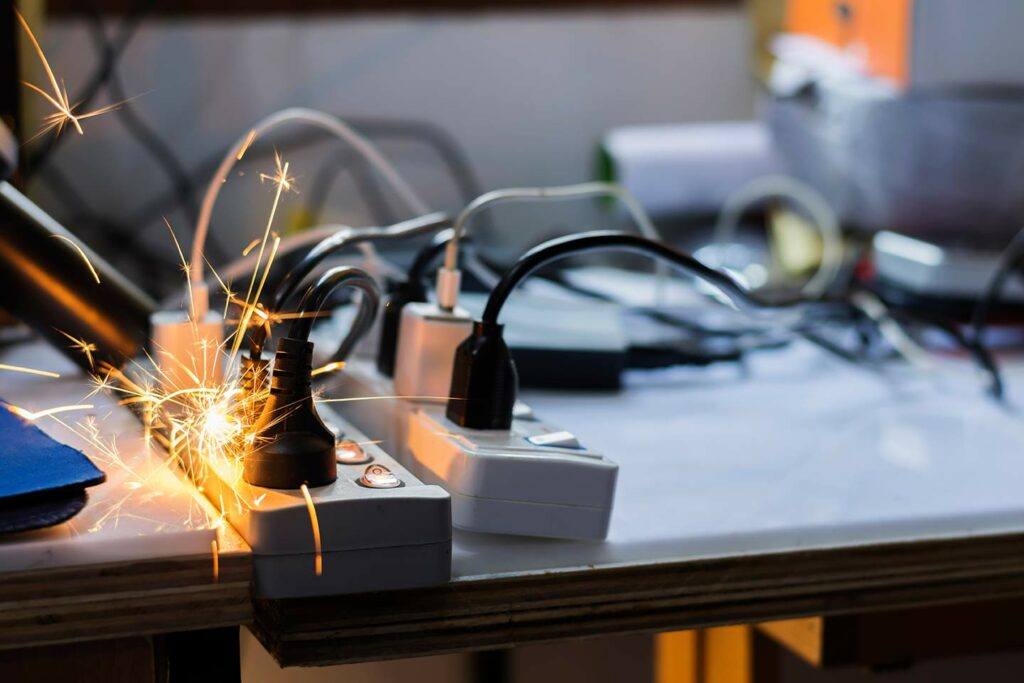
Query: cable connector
x,y
484,381
449,280
293,446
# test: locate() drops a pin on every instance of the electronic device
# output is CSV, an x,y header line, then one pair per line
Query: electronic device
x,y
534,479
379,527
946,276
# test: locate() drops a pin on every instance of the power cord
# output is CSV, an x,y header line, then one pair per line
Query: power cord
x,y
293,445
484,383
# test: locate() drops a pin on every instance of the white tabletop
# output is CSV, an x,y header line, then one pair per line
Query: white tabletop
x,y
144,510
796,450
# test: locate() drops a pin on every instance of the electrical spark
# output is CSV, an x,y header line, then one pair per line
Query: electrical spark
x,y
249,247
215,550
329,367
250,138
82,255
65,111
33,416
318,562
280,177
283,182
28,371
81,345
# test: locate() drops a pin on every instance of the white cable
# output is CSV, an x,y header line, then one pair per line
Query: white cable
x,y
447,276
243,267
804,196
343,131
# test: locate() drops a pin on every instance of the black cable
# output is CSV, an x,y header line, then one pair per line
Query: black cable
x,y
317,295
981,354
366,183
137,127
283,286
484,378
1010,261
572,245
282,290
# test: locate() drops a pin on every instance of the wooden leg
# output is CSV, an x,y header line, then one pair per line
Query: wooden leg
x,y
728,654
676,657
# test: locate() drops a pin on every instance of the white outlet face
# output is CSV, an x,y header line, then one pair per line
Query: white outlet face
x,y
535,479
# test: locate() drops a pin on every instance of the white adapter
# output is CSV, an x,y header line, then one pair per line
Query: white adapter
x,y
186,351
534,479
427,339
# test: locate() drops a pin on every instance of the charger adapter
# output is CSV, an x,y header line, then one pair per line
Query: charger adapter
x,y
185,350
427,339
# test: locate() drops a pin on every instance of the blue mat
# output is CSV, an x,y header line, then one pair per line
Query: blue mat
x,y
42,481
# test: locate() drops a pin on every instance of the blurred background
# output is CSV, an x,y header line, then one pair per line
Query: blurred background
x,y
463,96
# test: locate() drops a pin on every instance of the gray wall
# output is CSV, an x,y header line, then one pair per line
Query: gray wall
x,y
528,95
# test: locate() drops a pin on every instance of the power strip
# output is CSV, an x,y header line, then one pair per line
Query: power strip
x,y
534,479
380,527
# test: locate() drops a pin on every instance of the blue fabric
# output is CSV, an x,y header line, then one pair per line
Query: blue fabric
x,y
31,463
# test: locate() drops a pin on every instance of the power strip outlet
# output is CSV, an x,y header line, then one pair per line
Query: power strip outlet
x,y
380,527
534,479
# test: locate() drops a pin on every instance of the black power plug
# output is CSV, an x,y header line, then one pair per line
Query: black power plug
x,y
484,380
293,446
399,294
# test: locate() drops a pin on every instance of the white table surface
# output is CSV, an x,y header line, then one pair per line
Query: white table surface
x,y
144,510
796,450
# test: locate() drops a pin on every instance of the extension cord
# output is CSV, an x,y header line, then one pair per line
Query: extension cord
x,y
534,479
372,539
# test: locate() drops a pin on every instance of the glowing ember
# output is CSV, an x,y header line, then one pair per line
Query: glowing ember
x,y
318,562
32,416
28,371
81,254
329,367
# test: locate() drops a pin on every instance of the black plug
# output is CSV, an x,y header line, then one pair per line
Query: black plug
x,y
399,294
293,446
484,380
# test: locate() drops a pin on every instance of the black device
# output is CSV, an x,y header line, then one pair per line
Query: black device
x,y
58,286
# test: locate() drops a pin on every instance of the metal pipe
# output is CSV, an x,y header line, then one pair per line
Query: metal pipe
x,y
48,279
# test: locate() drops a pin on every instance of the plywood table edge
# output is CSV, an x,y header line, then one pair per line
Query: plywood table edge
x,y
139,597
491,613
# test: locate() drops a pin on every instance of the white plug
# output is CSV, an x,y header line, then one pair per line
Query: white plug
x,y
187,351
427,339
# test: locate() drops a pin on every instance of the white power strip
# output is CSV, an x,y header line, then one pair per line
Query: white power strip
x,y
533,480
380,527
